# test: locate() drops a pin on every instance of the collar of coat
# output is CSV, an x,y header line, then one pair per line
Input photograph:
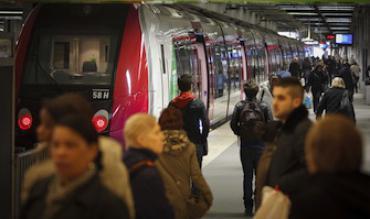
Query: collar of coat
x,y
295,118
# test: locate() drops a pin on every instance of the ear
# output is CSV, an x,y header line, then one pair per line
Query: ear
x,y
297,102
141,140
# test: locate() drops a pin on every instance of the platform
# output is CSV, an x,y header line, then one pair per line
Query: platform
x,y
223,171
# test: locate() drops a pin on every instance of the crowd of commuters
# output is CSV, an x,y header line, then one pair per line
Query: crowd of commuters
x,y
89,176
315,165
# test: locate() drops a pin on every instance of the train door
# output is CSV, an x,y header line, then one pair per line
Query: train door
x,y
191,59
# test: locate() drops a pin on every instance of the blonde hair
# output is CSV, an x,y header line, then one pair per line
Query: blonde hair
x,y
338,82
138,124
334,145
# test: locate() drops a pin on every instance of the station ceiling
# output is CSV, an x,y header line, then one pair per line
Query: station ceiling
x,y
322,18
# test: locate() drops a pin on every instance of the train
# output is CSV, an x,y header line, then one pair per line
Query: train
x,y
126,58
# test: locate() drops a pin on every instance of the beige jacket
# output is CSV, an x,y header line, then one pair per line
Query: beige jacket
x,y
114,174
179,168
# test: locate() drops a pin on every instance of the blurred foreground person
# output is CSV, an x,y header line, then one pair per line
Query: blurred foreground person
x,y
113,173
288,166
144,139
336,100
180,170
336,188
75,189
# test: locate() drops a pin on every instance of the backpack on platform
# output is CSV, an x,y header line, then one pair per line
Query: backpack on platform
x,y
252,121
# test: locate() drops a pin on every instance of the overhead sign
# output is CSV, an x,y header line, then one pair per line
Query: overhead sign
x,y
330,37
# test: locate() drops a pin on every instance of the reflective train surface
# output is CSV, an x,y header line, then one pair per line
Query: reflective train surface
x,y
126,59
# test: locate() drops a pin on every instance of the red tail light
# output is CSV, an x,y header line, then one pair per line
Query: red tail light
x,y
24,119
100,120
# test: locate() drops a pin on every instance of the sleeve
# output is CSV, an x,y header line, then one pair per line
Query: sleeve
x,y
234,123
322,105
149,196
205,122
267,112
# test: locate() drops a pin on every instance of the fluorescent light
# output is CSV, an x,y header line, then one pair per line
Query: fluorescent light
x,y
11,12
336,20
337,14
339,28
303,13
336,8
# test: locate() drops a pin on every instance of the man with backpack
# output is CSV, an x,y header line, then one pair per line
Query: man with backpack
x,y
248,122
194,113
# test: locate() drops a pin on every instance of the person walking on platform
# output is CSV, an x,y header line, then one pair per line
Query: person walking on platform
x,y
288,167
248,122
196,123
306,68
295,68
75,189
178,165
346,75
336,187
317,81
355,71
144,139
336,100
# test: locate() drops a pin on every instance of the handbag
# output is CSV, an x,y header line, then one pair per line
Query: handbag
x,y
345,103
275,205
308,101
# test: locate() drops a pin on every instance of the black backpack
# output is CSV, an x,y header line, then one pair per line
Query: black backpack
x,y
252,121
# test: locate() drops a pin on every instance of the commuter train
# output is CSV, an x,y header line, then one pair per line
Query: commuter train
x,y
126,59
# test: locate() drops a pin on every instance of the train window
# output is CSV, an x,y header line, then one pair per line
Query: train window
x,y
70,60
163,59
187,62
5,48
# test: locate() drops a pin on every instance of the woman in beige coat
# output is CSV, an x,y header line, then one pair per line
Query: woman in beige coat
x,y
186,188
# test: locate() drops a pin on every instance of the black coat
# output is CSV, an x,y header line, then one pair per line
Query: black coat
x,y
317,81
330,102
295,69
288,166
147,186
235,120
345,73
89,201
339,196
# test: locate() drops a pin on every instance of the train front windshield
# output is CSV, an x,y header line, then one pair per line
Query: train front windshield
x,y
74,45
73,48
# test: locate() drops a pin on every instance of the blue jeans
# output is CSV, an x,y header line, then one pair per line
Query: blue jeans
x,y
249,157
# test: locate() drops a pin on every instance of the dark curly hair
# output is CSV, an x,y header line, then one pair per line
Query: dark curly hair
x,y
171,119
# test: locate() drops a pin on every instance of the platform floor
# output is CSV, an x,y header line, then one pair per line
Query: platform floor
x,y
223,171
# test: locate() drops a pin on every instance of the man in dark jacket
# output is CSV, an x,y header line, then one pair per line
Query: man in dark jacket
x,y
145,141
318,81
196,123
288,166
251,146
295,68
345,73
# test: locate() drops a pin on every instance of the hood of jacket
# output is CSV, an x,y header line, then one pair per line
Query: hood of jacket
x,y
183,99
176,141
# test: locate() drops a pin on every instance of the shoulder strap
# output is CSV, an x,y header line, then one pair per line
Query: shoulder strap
x,y
139,165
